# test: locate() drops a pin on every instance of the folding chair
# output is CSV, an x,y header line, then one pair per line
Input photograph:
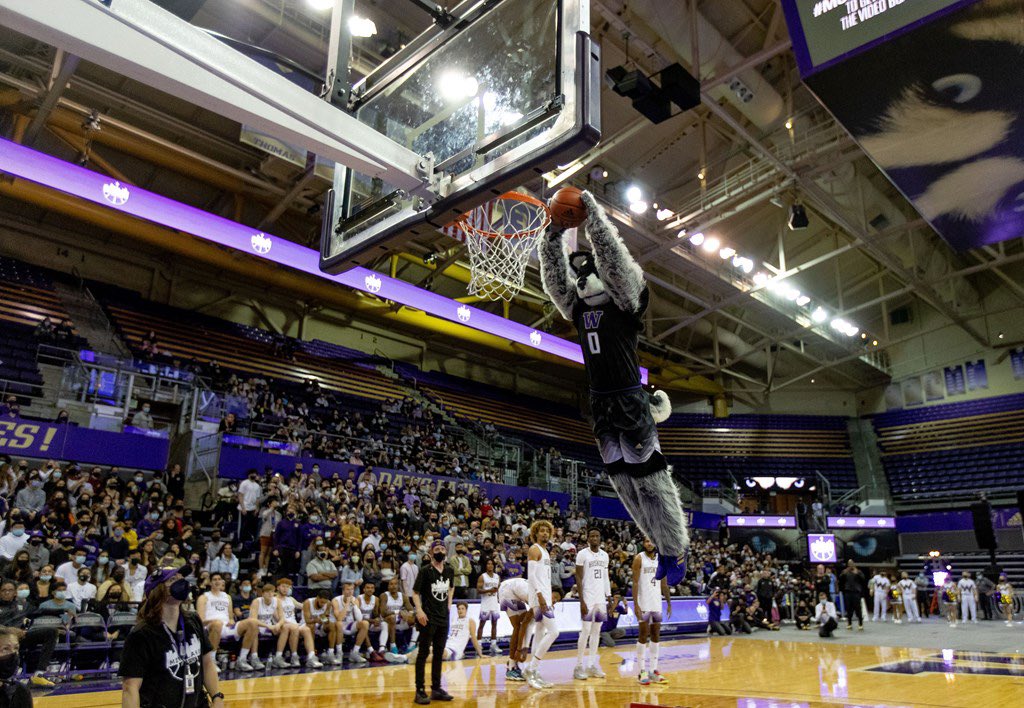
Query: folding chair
x,y
90,647
62,652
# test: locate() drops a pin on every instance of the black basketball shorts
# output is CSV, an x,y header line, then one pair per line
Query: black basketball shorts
x,y
627,436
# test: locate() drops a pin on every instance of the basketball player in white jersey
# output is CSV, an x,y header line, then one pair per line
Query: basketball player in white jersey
x,y
648,593
514,600
266,611
908,590
318,616
538,571
392,603
215,612
369,607
490,611
881,586
291,615
968,591
349,622
594,588
461,631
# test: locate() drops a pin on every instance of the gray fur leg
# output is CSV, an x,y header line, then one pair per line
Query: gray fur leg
x,y
653,502
623,485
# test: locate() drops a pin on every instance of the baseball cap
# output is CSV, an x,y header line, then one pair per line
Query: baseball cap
x,y
438,544
159,577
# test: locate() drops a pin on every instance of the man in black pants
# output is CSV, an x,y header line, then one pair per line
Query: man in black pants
x,y
854,586
825,615
432,597
14,612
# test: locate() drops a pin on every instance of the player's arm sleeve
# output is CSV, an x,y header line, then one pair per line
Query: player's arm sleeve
x,y
621,274
554,272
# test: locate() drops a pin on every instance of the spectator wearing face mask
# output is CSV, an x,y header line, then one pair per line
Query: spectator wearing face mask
x,y
82,591
31,498
287,540
116,578
15,611
38,553
461,568
320,570
60,605
135,576
142,418
68,571
14,540
116,545
19,569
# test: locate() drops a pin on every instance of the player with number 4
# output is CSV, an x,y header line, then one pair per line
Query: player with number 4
x,y
648,597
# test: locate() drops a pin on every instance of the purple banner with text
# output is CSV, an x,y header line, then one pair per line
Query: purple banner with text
x,y
27,438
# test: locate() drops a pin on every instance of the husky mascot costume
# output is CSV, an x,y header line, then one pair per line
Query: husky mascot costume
x,y
604,294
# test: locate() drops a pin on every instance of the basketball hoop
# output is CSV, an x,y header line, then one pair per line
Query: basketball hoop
x,y
500,236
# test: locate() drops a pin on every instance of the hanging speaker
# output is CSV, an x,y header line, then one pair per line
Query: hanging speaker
x,y
983,533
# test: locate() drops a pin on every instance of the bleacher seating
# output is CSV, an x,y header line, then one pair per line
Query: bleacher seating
x,y
969,446
27,297
249,350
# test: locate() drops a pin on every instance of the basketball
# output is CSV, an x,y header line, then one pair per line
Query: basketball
x,y
567,208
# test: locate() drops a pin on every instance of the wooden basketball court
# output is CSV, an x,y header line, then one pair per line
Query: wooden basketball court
x,y
710,673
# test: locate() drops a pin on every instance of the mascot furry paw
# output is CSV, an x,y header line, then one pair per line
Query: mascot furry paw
x,y
604,294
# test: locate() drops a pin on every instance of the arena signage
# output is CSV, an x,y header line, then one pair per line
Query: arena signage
x,y
762,521
52,172
861,522
23,438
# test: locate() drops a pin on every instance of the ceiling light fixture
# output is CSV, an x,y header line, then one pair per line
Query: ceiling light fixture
x,y
361,26
638,207
760,279
697,239
711,244
803,301
633,194
664,214
819,315
727,253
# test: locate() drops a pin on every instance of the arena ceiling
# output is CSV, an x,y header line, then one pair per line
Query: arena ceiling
x,y
864,254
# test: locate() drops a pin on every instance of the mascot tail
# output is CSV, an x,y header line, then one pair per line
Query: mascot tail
x,y
661,407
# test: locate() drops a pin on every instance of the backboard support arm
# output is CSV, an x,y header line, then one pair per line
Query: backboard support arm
x,y
144,42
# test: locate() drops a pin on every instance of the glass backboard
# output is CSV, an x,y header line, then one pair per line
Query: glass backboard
x,y
509,90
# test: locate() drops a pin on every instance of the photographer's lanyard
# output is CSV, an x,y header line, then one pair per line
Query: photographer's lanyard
x,y
181,647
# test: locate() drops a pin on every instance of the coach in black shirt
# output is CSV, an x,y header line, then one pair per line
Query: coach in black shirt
x,y
432,596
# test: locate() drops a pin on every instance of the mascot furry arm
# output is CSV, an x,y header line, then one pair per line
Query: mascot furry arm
x,y
605,295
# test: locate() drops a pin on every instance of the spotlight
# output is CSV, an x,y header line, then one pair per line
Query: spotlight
x,y
791,293
803,301
711,244
697,239
664,214
633,194
798,218
701,175
864,335
456,87
760,279
681,233
727,253
874,342
819,315
360,26
789,124
638,207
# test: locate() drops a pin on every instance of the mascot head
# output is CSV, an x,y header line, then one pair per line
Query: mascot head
x,y
589,287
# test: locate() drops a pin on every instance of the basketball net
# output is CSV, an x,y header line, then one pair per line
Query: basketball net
x,y
500,235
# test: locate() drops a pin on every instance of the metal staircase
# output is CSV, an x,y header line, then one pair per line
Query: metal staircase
x,y
90,320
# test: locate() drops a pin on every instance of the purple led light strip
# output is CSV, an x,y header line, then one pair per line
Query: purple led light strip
x,y
52,172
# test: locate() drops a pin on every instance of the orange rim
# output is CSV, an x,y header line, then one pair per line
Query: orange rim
x,y
460,221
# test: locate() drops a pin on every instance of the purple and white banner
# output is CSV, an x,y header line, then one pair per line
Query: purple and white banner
x,y
49,171
764,521
27,438
861,522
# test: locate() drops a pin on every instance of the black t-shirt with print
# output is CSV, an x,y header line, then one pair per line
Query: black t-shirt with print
x,y
151,655
433,588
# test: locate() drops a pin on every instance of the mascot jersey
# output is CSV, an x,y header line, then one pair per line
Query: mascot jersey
x,y
609,337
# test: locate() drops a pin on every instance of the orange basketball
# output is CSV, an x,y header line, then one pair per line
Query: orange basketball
x,y
567,209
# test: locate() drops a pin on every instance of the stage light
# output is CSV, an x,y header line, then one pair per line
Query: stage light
x,y
664,214
864,335
361,26
638,207
791,293
819,315
697,239
727,253
760,279
711,244
457,87
803,300
633,194
747,265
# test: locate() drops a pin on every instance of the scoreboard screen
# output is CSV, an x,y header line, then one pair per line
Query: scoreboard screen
x,y
826,30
